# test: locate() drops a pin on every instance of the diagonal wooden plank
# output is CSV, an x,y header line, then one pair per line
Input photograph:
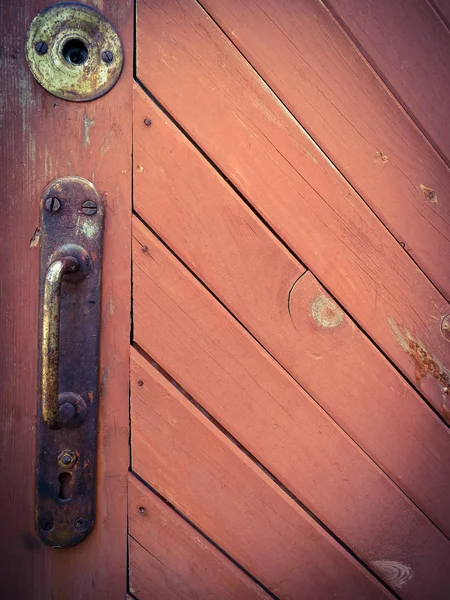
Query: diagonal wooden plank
x,y
198,469
409,46
203,81
169,559
197,341
325,82
443,9
199,216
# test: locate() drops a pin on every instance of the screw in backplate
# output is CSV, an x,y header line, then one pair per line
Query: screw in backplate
x,y
41,47
47,525
107,56
67,459
52,204
445,327
81,523
89,207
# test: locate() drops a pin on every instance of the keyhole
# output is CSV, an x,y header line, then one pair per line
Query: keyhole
x,y
65,486
75,52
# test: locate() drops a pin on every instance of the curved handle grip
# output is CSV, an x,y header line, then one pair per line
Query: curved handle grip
x,y
51,318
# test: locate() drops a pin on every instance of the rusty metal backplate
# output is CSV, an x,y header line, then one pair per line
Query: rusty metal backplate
x,y
74,52
71,223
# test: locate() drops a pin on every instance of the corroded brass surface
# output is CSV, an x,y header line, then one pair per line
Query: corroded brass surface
x,y
71,229
51,318
74,52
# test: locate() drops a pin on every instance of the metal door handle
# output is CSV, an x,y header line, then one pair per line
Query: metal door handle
x,y
66,429
51,317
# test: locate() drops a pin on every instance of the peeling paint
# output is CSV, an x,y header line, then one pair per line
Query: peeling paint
x,y
394,573
87,124
139,168
429,194
325,312
381,158
35,238
89,229
424,362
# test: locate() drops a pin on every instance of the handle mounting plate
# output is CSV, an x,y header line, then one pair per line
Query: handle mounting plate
x,y
72,214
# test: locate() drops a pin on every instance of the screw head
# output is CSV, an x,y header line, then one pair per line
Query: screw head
x,y
47,524
52,204
445,327
81,523
41,47
147,122
89,207
67,458
107,56
67,412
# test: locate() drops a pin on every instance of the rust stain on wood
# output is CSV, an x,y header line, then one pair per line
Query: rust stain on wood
x,y
425,363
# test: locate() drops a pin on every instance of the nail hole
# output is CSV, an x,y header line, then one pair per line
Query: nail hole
x,y
75,52
65,486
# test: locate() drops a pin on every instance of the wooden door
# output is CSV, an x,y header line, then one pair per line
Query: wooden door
x,y
278,425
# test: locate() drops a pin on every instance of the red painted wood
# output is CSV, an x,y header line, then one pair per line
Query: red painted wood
x,y
198,75
42,138
409,45
170,560
443,9
192,464
325,82
194,339
198,215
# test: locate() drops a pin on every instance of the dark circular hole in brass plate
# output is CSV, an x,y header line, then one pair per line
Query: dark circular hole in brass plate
x,y
75,52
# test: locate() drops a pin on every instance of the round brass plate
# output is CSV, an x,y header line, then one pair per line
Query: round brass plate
x,y
74,52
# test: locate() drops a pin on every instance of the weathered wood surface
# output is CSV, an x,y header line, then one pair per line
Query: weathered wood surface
x,y
325,82
42,138
328,86
408,45
183,328
170,560
185,457
209,227
443,9
189,65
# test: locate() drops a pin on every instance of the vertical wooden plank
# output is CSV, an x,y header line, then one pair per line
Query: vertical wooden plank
x,y
44,137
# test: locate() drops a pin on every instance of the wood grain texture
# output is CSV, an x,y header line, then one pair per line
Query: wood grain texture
x,y
169,559
329,87
197,342
198,470
269,157
409,46
42,138
205,223
443,9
